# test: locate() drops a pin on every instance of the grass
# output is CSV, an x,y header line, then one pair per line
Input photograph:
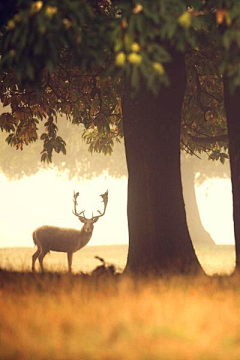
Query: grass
x,y
81,317
20,259
215,260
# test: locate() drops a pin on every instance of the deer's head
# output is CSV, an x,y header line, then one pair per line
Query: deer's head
x,y
88,223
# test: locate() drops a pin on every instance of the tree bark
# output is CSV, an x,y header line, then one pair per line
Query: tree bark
x,y
232,108
158,235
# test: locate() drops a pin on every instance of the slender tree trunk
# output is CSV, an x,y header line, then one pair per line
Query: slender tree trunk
x,y
158,235
198,234
232,108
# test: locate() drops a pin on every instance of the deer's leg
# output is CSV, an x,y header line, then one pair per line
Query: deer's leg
x,y
34,258
69,256
41,257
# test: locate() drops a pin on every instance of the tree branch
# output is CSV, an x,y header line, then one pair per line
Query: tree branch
x,y
209,139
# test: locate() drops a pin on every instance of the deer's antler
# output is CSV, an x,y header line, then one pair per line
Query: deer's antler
x,y
79,215
105,201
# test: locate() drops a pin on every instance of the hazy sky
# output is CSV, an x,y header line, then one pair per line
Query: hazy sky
x,y
45,198
214,198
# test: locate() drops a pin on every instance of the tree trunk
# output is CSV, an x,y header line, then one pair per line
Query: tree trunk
x,y
158,235
232,108
198,234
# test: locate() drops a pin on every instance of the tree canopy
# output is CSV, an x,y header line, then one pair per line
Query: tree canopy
x,y
70,58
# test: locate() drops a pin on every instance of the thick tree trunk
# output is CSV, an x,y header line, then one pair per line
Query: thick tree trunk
x,y
232,108
158,235
198,234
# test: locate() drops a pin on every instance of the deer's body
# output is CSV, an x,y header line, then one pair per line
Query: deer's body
x,y
53,238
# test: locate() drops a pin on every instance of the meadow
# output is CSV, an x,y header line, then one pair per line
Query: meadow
x,y
85,316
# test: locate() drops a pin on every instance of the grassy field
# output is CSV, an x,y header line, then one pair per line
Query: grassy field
x,y
20,259
82,317
215,260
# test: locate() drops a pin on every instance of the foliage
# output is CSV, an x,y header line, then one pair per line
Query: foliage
x,y
204,127
83,99
72,57
77,163
224,19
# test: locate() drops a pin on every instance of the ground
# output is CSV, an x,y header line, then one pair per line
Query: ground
x,y
104,317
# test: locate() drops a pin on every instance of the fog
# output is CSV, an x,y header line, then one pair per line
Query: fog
x,y
46,198
33,194
214,198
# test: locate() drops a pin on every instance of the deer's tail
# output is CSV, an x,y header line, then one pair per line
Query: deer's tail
x,y
34,238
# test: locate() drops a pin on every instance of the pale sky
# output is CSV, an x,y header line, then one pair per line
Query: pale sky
x,y
46,199
214,198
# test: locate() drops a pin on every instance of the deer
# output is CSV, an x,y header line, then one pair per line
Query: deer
x,y
52,238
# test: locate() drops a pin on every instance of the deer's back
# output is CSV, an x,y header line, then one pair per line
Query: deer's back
x,y
57,239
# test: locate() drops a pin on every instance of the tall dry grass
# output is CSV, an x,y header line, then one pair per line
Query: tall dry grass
x,y
77,317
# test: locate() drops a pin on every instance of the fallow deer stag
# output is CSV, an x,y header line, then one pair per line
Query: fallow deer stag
x,y
53,238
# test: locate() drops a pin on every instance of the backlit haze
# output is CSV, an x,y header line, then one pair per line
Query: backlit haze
x,y
46,198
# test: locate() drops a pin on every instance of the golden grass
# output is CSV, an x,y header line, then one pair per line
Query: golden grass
x,y
215,260
61,316
58,316
20,259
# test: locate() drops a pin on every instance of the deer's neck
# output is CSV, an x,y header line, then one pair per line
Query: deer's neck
x,y
84,237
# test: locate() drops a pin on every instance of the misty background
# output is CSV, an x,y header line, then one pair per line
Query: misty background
x,y
34,194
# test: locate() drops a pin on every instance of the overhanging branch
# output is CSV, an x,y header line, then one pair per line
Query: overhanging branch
x,y
209,139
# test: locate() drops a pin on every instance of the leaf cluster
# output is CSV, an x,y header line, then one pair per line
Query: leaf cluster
x,y
73,57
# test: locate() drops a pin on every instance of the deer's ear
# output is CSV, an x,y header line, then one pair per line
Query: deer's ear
x,y
95,220
82,219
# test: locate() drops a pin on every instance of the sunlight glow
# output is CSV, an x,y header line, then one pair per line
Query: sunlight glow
x,y
46,199
214,197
